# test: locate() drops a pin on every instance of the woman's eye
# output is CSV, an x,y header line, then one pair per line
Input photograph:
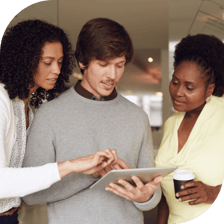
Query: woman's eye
x,y
103,65
47,63
175,83
190,88
60,62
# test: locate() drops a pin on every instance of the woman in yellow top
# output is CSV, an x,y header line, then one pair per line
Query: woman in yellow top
x,y
194,136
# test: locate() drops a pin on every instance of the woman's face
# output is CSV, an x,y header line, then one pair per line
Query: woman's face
x,y
49,66
188,88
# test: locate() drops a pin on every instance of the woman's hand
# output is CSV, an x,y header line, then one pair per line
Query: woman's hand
x,y
88,164
120,164
140,193
95,162
198,192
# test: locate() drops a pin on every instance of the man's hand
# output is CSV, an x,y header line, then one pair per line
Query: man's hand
x,y
140,193
198,192
120,164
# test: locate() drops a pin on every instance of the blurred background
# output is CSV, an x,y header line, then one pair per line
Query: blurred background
x,y
155,27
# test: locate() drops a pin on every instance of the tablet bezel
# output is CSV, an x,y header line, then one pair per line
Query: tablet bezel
x,y
145,174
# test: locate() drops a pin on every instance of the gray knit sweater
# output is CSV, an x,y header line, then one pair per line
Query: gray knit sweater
x,y
72,126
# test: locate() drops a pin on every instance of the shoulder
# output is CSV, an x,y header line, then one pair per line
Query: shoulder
x,y
132,109
3,93
130,106
175,116
56,104
215,107
5,101
170,122
217,101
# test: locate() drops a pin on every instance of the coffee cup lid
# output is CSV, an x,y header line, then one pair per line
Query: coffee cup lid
x,y
183,175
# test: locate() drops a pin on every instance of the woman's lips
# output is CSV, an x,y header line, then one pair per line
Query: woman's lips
x,y
177,102
51,81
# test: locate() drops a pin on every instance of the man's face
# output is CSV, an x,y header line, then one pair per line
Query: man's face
x,y
100,77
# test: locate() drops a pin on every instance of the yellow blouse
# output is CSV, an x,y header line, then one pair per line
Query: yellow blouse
x,y
203,154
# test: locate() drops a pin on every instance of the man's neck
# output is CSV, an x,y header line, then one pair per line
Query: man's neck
x,y
85,93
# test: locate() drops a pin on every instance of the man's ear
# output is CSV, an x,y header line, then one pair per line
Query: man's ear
x,y
210,89
82,66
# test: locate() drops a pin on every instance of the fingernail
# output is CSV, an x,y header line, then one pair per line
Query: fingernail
x,y
182,187
177,194
179,199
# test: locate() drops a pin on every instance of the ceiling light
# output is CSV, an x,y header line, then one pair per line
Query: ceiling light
x,y
150,59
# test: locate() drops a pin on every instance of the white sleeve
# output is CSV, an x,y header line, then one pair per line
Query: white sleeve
x,y
18,182
5,134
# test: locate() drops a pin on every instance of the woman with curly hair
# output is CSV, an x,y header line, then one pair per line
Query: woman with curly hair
x,y
193,137
36,59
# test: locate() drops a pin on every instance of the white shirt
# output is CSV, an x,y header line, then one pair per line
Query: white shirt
x,y
15,181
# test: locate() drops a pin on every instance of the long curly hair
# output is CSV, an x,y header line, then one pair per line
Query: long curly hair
x,y
207,51
20,53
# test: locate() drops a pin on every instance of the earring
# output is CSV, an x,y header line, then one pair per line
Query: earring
x,y
207,99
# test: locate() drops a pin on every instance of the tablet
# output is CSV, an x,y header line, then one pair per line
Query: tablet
x,y
145,174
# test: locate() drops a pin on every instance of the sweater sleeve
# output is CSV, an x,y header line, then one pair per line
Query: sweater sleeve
x,y
152,203
146,154
146,159
41,149
18,182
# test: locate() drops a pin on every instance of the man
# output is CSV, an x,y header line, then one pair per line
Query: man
x,y
90,117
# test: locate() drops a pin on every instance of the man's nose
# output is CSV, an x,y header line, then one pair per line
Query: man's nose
x,y
112,72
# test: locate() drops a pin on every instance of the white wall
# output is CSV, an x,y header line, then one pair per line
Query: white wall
x,y
43,10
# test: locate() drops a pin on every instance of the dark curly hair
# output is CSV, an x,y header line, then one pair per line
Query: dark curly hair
x,y
20,53
103,39
206,51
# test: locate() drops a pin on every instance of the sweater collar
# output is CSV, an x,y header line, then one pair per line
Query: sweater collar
x,y
85,93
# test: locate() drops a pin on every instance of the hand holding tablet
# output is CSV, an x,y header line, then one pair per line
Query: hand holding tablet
x,y
144,174
139,193
136,185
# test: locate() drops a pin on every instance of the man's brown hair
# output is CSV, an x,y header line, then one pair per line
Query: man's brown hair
x,y
103,39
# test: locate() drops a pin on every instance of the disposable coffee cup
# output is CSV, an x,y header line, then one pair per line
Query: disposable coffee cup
x,y
181,177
